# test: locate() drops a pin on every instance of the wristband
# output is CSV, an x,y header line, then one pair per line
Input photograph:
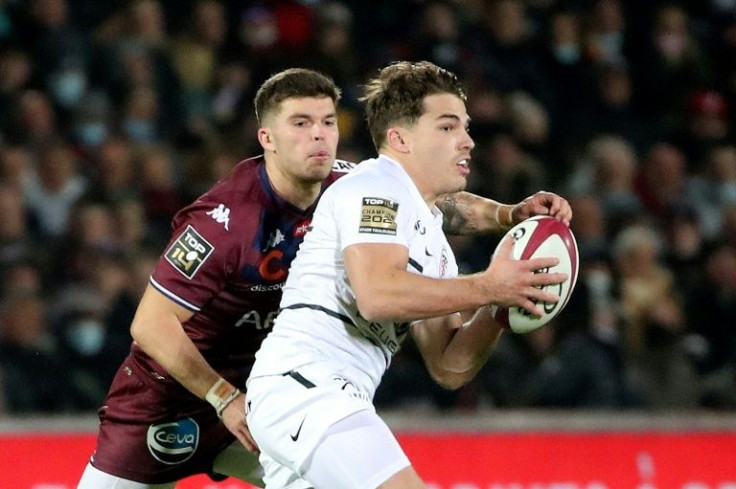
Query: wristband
x,y
220,395
509,220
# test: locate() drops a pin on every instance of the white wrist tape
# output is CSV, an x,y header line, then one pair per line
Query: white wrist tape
x,y
220,395
509,222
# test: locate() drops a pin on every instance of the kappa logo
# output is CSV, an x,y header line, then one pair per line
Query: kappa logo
x,y
221,214
274,240
173,443
189,252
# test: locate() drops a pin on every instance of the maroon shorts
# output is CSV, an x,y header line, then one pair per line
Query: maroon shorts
x,y
155,431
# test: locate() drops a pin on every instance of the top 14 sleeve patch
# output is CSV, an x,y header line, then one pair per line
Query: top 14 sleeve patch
x,y
189,252
378,216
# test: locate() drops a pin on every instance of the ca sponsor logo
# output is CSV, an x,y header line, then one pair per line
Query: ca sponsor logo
x,y
173,443
221,214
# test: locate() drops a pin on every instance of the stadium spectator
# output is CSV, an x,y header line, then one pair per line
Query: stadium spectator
x,y
654,321
661,180
28,352
54,188
714,346
195,56
670,67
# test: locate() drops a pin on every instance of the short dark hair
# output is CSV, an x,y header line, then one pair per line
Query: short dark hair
x,y
396,95
293,82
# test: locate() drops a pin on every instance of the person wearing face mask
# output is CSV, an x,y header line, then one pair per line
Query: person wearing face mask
x,y
671,67
91,126
68,85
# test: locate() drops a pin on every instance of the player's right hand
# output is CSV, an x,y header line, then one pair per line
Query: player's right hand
x,y
233,416
519,283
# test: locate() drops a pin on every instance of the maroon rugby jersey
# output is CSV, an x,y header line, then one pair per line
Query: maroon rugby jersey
x,y
227,261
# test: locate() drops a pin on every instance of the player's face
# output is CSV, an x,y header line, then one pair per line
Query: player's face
x,y
304,136
441,143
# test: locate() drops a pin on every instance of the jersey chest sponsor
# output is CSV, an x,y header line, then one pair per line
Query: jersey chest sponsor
x,y
267,269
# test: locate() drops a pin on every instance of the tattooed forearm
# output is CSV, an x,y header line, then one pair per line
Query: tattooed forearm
x,y
466,213
458,215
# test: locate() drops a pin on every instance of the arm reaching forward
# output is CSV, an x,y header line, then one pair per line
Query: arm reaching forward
x,y
466,213
157,328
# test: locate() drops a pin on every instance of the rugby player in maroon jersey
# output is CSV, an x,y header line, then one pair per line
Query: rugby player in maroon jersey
x,y
174,408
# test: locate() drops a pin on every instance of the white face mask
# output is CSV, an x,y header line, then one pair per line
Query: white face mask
x,y
68,87
91,134
87,336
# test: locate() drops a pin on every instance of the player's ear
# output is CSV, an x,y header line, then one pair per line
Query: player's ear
x,y
265,139
396,140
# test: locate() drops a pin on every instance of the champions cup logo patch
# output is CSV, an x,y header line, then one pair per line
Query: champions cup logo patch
x,y
173,443
189,252
378,216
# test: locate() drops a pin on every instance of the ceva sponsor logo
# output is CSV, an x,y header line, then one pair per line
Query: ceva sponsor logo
x,y
173,443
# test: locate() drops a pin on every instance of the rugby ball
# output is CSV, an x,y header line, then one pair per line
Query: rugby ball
x,y
541,237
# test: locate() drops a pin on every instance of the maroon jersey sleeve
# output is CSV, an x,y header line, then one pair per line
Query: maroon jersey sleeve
x,y
203,253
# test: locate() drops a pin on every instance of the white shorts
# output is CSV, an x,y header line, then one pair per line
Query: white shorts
x,y
291,415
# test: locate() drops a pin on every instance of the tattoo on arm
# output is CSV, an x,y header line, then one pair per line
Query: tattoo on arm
x,y
457,215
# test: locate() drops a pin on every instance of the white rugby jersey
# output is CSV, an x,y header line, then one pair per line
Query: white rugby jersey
x,y
319,322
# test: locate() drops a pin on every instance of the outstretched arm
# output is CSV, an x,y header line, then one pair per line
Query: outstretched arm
x,y
157,329
466,213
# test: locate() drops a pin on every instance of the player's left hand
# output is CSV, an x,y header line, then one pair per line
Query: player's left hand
x,y
542,203
233,416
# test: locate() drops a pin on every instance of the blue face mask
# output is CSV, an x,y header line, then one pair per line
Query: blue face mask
x,y
87,337
68,87
91,134
139,131
567,54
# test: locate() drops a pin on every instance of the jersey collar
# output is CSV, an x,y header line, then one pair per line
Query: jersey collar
x,y
399,172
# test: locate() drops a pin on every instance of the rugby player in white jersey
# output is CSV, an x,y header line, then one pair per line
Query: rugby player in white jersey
x,y
375,266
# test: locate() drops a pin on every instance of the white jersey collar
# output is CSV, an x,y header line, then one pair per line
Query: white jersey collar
x,y
400,173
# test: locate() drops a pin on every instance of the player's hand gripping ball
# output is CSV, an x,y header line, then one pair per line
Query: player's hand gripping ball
x,y
541,237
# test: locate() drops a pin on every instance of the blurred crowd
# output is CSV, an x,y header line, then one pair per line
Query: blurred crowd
x,y
115,114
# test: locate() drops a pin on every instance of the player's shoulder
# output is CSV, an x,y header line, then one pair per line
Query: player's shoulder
x,y
368,173
232,199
